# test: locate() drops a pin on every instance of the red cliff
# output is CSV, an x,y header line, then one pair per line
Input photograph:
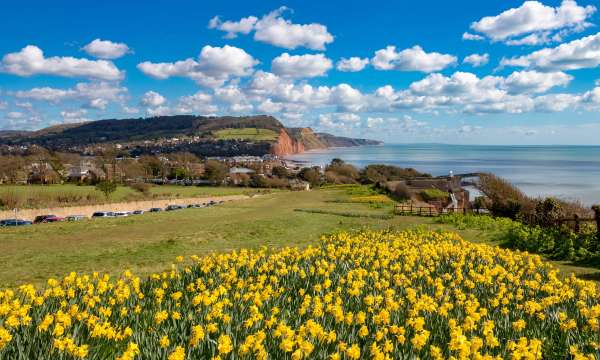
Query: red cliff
x,y
286,145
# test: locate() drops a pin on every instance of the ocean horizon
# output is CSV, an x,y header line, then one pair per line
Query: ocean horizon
x,y
570,172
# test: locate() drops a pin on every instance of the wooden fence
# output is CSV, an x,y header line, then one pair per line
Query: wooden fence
x,y
575,222
411,209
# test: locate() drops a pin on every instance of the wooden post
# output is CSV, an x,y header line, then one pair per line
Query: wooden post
x,y
596,209
576,218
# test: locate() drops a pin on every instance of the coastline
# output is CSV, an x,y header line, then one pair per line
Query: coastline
x,y
563,171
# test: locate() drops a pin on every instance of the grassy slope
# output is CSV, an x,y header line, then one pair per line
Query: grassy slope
x,y
150,242
246,134
36,196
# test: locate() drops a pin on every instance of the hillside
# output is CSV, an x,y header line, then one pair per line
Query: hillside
x,y
204,136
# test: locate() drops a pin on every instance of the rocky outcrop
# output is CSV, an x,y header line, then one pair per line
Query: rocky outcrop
x,y
286,145
297,140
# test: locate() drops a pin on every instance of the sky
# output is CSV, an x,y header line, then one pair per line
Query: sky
x,y
464,72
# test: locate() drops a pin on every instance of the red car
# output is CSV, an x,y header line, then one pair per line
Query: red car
x,y
52,219
42,219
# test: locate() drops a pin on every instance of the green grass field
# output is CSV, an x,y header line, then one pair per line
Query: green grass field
x,y
150,242
39,196
246,134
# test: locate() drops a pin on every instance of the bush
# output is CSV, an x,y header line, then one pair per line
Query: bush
x,y
559,243
375,173
433,194
401,192
141,187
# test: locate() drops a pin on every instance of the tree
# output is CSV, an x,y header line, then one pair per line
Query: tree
x,y
215,171
312,175
106,187
280,171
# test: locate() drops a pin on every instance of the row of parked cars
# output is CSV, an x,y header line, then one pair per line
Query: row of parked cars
x,y
44,219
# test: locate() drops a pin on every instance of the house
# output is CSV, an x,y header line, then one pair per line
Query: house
x,y
86,171
240,175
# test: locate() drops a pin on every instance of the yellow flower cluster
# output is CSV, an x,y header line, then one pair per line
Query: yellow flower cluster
x,y
365,295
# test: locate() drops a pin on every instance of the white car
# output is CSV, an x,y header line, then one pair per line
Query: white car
x,y
122,213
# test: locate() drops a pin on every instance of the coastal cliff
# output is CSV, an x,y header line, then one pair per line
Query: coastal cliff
x,y
297,140
203,136
286,145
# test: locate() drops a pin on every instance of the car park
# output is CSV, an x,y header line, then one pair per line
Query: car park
x,y
103,214
14,222
75,217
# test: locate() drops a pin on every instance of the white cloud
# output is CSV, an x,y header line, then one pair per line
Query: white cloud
x,y
15,115
352,64
31,61
469,36
556,102
535,18
83,91
152,99
106,49
25,105
301,66
348,117
3,105
232,28
577,54
477,59
158,111
374,121
532,81
98,103
199,103
129,110
275,30
214,66
74,116
413,59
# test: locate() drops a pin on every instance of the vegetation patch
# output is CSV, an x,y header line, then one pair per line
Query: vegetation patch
x,y
368,294
251,134
433,194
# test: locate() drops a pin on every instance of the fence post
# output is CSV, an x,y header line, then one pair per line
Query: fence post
x,y
576,218
596,209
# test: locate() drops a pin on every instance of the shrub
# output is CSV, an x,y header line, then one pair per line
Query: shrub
x,y
141,187
375,173
401,192
106,187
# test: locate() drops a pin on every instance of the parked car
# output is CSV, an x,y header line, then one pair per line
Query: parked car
x,y
155,210
122,213
138,212
195,206
51,219
75,217
173,207
41,218
14,222
103,214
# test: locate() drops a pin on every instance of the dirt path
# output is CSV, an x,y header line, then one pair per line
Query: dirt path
x,y
88,210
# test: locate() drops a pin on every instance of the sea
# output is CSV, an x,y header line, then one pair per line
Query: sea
x,y
567,172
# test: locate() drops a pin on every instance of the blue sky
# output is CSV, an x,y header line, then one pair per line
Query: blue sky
x,y
509,72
